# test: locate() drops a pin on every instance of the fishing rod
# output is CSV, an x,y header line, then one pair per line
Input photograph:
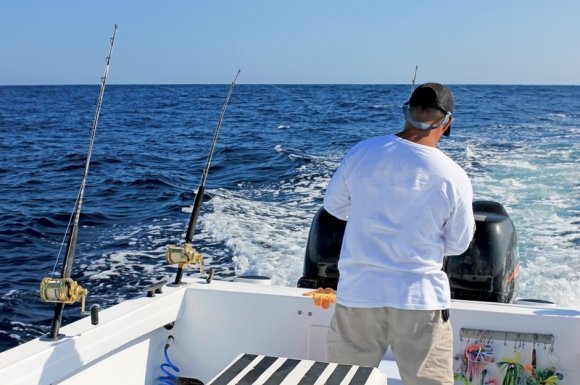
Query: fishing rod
x,y
186,254
64,290
414,78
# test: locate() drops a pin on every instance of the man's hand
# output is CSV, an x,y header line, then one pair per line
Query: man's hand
x,y
322,297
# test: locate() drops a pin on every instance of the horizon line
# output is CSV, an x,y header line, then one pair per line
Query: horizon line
x,y
285,84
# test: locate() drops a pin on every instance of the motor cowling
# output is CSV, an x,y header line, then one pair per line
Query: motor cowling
x,y
487,271
322,251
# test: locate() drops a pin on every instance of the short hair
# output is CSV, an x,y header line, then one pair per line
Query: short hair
x,y
426,115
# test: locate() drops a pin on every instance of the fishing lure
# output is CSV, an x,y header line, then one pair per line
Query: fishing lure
x,y
477,356
514,371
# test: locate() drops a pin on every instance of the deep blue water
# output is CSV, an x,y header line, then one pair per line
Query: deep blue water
x,y
278,147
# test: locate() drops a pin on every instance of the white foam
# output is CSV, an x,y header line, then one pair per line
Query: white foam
x,y
535,182
558,115
11,294
265,238
266,230
469,151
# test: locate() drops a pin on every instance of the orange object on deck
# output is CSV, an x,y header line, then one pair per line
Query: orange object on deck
x,y
322,297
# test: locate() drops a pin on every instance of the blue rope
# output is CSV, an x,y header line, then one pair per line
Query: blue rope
x,y
168,368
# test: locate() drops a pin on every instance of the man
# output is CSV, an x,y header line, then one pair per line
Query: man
x,y
407,205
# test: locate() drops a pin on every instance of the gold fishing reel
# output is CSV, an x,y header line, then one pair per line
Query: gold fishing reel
x,y
183,255
62,290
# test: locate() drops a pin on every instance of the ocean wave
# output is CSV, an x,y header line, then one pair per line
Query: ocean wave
x,y
150,182
555,116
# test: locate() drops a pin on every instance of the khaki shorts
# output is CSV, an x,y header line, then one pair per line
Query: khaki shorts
x,y
421,340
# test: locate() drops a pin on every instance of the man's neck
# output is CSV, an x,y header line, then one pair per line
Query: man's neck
x,y
426,138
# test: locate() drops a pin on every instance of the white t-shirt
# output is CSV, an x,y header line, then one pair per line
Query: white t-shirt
x,y
406,205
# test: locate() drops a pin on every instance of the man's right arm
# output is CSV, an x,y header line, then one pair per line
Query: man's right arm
x,y
460,227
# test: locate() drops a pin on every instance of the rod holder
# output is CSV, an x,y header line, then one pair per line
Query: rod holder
x,y
498,335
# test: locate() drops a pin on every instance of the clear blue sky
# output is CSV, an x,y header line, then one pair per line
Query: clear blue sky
x,y
291,41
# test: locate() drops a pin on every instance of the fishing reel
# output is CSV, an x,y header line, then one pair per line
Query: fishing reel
x,y
183,255
62,290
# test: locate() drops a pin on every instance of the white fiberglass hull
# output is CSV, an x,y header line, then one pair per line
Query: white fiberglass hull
x,y
216,322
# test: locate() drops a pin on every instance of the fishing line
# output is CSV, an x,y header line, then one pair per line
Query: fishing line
x,y
62,243
65,290
217,130
174,90
75,215
309,103
461,87
316,106
186,254
487,100
301,98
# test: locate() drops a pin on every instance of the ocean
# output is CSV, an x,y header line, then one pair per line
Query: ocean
x,y
277,149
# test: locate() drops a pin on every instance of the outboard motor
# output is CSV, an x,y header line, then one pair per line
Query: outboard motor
x,y
322,251
487,271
